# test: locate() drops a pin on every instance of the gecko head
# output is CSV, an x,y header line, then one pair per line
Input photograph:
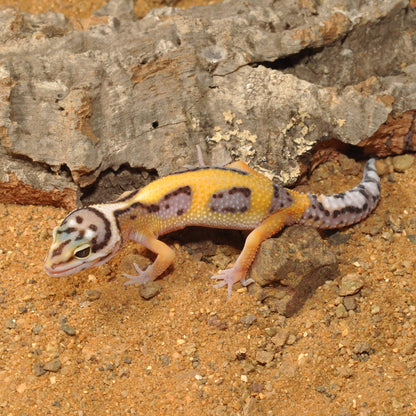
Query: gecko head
x,y
85,238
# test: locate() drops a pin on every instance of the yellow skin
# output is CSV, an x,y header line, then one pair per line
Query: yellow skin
x,y
211,197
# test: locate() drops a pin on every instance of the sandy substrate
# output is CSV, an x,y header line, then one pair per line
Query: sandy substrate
x,y
87,344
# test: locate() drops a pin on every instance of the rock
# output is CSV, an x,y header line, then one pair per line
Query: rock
x,y
238,80
295,264
10,324
281,337
92,294
165,360
338,238
37,329
403,162
53,366
291,339
264,357
349,303
38,370
350,284
340,311
68,329
257,387
361,347
150,289
248,320
217,323
362,351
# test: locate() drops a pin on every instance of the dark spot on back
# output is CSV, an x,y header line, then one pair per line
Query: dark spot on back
x,y
245,191
153,208
79,219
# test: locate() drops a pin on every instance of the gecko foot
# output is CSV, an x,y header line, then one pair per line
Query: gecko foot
x,y
228,278
141,277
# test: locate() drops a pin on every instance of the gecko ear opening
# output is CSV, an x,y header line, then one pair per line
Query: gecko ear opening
x,y
82,252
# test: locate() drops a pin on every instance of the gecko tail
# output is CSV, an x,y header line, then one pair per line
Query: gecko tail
x,y
346,208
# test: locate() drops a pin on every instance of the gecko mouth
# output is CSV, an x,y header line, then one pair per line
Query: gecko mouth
x,y
59,272
55,273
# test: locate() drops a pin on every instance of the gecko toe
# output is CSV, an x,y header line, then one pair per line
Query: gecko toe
x,y
227,278
141,276
245,282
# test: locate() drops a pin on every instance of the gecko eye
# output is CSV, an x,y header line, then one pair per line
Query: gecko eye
x,y
82,252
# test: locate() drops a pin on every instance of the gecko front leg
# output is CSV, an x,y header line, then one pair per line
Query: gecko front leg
x,y
164,259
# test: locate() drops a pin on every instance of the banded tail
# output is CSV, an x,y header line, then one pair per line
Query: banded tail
x,y
346,208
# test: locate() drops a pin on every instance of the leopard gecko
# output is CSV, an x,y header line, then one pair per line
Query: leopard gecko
x,y
234,197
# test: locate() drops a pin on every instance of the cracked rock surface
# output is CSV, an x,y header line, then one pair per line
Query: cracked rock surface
x,y
266,82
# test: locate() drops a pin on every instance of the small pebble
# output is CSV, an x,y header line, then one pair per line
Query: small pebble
x,y
68,330
362,347
257,387
216,322
403,162
10,324
264,357
412,238
38,370
248,320
375,309
281,337
149,290
53,366
349,303
92,294
338,238
241,354
44,235
350,284
105,269
291,339
165,360
36,329
340,311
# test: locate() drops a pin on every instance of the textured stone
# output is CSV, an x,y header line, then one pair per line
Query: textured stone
x,y
350,284
84,102
292,267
